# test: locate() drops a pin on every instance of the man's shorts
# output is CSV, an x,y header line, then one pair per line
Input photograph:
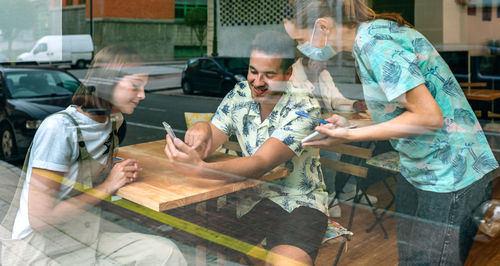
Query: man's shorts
x,y
304,227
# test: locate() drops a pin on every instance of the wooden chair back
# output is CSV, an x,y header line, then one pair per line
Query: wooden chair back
x,y
344,167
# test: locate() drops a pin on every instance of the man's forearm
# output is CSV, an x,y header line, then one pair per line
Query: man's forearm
x,y
241,167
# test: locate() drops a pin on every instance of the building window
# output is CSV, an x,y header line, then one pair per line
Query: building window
x,y
498,8
487,10
243,12
183,6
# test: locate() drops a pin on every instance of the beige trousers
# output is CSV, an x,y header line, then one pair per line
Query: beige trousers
x,y
110,249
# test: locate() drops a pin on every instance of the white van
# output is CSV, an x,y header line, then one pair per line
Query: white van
x,y
74,50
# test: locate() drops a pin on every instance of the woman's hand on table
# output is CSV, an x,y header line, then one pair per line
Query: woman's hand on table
x,y
199,137
122,173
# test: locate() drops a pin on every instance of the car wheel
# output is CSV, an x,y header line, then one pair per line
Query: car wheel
x,y
8,148
186,87
81,64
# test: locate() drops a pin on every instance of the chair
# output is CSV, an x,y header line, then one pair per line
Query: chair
x,y
389,162
360,172
492,133
193,118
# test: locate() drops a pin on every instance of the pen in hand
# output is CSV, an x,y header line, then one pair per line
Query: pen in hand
x,y
304,114
322,121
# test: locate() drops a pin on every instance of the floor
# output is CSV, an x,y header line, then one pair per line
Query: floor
x,y
373,249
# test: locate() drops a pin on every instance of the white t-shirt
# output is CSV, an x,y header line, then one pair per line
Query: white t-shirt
x,y
55,147
324,90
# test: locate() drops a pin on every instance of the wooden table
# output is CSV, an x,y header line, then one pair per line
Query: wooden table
x,y
160,187
482,95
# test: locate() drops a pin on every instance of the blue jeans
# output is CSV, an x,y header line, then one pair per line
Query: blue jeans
x,y
437,228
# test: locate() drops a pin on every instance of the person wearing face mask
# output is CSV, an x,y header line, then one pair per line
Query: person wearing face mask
x,y
316,66
69,169
417,104
315,70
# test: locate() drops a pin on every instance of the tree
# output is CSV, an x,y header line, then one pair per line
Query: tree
x,y
196,19
15,16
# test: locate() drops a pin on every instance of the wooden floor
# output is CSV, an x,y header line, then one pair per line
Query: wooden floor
x,y
372,249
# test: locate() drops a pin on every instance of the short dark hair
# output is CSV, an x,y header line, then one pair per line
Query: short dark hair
x,y
277,44
109,66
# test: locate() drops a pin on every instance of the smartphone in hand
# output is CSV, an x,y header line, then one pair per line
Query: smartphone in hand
x,y
169,130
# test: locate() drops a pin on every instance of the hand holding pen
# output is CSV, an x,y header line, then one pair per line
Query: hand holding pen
x,y
304,114
344,124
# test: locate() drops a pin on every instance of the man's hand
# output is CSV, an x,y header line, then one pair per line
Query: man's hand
x,y
179,152
199,137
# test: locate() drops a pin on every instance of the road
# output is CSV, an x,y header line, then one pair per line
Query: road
x,y
145,123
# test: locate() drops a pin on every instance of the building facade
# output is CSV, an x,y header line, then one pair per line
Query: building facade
x,y
150,26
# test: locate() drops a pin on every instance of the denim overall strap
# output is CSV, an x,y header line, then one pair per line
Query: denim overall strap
x,y
81,143
83,154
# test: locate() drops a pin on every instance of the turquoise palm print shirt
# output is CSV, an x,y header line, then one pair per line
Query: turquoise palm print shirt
x,y
392,60
240,114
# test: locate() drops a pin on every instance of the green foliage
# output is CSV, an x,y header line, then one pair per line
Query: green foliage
x,y
196,19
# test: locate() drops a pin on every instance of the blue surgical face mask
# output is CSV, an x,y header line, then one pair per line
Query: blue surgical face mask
x,y
315,53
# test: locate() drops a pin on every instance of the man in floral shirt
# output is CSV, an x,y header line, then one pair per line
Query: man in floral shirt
x,y
291,213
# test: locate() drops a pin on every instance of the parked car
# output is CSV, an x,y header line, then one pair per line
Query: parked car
x,y
27,96
75,50
213,74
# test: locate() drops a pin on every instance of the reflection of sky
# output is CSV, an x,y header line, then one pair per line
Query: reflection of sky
x,y
48,21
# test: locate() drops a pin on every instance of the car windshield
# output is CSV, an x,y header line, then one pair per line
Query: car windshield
x,y
238,64
42,83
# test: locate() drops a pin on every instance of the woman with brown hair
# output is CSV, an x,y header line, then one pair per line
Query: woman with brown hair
x,y
70,168
417,104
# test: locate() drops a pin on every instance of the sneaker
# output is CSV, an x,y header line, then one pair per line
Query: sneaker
x,y
349,197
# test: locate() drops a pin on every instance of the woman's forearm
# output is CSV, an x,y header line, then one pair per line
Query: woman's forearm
x,y
406,124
